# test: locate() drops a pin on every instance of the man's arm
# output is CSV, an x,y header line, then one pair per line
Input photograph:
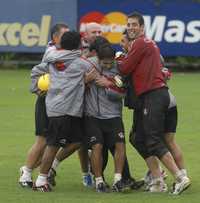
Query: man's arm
x,y
91,75
130,62
36,72
54,55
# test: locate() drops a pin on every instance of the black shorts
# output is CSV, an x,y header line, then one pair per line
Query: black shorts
x,y
151,119
63,130
107,132
41,119
171,120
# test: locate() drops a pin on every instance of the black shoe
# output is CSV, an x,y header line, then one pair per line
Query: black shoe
x,y
118,186
51,177
101,187
137,184
132,183
42,188
27,184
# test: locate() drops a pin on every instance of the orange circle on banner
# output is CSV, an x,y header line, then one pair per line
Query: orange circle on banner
x,y
113,25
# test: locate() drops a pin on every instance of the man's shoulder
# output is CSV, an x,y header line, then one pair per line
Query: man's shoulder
x,y
90,61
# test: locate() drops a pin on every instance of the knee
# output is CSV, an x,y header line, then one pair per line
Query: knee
x,y
141,149
97,147
157,149
169,140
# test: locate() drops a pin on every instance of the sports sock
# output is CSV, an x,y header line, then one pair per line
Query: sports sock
x,y
41,180
117,177
179,175
99,180
55,164
184,171
27,172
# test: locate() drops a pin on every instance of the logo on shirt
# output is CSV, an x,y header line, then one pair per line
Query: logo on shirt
x,y
93,139
62,141
145,111
121,135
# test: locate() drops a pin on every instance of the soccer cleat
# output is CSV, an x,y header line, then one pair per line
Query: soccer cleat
x,y
137,185
147,178
118,186
26,184
181,185
158,186
87,180
43,188
131,183
51,177
23,182
102,188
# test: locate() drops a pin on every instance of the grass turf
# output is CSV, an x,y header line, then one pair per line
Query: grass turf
x,y
17,136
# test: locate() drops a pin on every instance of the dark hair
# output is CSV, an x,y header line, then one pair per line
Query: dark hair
x,y
99,41
126,33
105,51
70,40
56,29
138,16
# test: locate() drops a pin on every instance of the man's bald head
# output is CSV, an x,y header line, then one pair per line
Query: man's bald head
x,y
92,30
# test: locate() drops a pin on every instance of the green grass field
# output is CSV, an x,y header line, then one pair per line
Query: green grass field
x,y
17,135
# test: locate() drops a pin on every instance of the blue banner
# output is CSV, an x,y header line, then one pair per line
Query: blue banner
x,y
25,24
173,24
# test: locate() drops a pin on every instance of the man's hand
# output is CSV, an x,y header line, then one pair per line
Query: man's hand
x,y
102,81
166,73
41,93
92,75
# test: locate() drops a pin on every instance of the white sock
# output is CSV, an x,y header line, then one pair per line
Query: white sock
x,y
179,175
55,164
117,177
41,180
26,176
184,171
99,180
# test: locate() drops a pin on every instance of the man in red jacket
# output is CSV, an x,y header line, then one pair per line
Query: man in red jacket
x,y
143,64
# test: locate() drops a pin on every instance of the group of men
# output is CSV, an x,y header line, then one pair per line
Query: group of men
x,y
82,110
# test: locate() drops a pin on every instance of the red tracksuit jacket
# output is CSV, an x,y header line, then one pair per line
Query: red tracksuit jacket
x,y
143,63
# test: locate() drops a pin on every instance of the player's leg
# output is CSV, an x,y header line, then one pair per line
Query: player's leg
x,y
138,139
85,168
74,141
114,138
58,130
62,154
95,142
36,151
170,130
155,105
175,150
42,183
